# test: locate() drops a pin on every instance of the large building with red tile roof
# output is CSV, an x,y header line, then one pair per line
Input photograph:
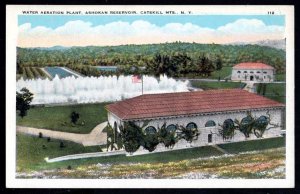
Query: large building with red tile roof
x,y
249,71
204,110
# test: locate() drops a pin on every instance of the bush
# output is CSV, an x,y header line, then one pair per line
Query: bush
x,y
74,117
166,137
48,139
150,141
69,167
132,136
61,144
40,135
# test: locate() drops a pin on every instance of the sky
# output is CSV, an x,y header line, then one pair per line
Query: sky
x,y
102,30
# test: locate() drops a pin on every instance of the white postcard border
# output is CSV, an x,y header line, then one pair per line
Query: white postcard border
x,y
11,41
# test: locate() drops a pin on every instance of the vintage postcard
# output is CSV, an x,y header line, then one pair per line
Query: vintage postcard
x,y
150,96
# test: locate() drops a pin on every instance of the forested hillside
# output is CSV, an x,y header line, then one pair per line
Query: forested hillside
x,y
174,59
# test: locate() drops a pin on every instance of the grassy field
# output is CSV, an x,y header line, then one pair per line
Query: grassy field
x,y
31,154
253,145
276,91
223,73
58,117
280,77
215,85
31,150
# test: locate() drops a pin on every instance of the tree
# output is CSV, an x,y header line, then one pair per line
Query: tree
x,y
132,136
189,134
246,124
24,98
74,117
219,65
150,141
205,66
227,129
166,137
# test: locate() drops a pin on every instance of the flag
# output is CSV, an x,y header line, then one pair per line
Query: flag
x,y
136,79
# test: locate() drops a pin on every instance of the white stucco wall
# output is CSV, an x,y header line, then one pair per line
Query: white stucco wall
x,y
200,120
263,75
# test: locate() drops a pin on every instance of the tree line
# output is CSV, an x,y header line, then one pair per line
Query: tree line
x,y
156,57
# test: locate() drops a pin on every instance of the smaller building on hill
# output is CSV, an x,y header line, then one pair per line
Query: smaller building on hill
x,y
259,72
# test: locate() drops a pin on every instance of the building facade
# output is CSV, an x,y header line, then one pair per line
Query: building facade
x,y
258,72
204,110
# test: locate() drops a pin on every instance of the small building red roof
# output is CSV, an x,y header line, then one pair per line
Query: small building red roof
x,y
185,103
252,66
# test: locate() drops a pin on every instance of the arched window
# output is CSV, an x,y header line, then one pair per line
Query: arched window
x,y
258,72
210,124
265,72
251,71
150,130
171,128
245,72
238,71
191,126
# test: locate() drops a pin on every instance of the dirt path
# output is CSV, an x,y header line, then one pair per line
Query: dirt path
x,y
96,137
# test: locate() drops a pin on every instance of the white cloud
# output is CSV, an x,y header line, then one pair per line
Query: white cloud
x,y
249,26
80,33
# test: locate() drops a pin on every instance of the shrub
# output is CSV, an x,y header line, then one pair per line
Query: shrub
x,y
40,135
166,137
150,141
132,136
189,134
61,144
48,139
74,117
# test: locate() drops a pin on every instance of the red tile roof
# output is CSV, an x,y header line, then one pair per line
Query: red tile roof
x,y
252,66
184,103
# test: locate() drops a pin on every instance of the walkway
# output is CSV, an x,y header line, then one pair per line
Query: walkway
x,y
86,155
96,137
250,87
220,149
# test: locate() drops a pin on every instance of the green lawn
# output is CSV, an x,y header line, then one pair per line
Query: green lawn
x,y
58,117
254,145
30,153
280,77
223,73
205,85
276,91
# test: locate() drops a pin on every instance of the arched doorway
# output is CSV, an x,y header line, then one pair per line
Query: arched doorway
x,y
251,78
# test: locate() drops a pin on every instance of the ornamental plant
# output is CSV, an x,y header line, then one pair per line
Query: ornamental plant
x,y
189,134
132,136
246,124
227,129
168,138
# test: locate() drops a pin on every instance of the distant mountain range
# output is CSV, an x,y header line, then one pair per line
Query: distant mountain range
x,y
52,48
278,44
